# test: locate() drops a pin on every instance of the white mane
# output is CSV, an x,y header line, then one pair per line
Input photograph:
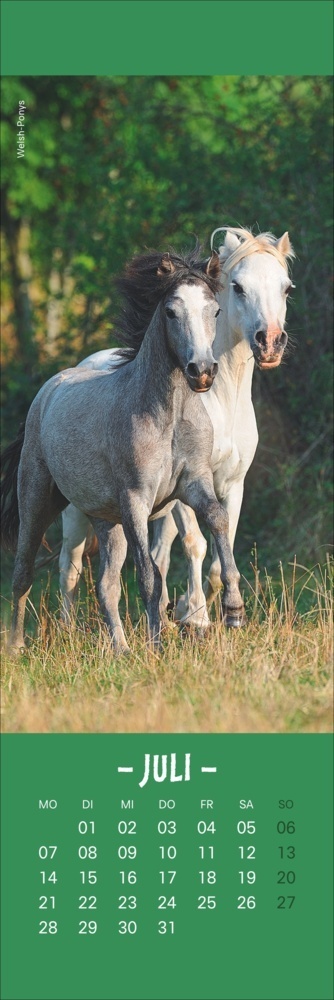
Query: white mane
x,y
245,243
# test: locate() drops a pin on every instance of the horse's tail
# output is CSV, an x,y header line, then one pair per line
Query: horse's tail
x,y
10,520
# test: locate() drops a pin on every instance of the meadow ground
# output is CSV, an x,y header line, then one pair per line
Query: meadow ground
x,y
273,676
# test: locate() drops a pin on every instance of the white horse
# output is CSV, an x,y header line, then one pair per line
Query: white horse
x,y
250,328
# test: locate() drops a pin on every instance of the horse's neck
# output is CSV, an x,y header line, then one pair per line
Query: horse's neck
x,y
235,359
156,374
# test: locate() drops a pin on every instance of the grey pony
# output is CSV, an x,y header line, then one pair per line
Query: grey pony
x,y
121,456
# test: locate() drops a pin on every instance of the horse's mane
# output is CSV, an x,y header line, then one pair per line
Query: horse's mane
x,y
261,243
146,280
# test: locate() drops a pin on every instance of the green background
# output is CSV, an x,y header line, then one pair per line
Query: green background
x,y
223,953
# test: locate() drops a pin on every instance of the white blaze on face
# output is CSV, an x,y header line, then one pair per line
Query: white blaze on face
x,y
194,298
195,308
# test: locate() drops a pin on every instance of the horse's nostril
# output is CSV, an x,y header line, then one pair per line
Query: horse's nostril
x,y
193,370
283,339
260,338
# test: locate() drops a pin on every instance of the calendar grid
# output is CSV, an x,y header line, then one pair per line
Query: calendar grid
x,y
167,879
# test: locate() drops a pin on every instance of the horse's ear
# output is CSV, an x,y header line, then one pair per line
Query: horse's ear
x,y
166,266
213,266
231,243
284,246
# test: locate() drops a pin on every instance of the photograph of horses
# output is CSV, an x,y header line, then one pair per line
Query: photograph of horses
x,y
166,471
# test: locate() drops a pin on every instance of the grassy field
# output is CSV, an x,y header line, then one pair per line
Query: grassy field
x,y
273,676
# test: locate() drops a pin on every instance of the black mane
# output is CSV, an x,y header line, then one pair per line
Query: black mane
x,y
146,280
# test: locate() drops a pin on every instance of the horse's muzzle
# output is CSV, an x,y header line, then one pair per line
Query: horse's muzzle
x,y
200,379
268,350
268,362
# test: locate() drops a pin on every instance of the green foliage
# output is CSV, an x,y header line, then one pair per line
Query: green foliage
x,y
116,164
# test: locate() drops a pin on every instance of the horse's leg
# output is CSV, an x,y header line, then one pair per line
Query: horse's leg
x,y
112,548
200,495
40,502
232,505
191,607
164,532
76,527
213,583
135,513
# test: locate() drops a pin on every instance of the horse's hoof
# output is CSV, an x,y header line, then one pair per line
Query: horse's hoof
x,y
16,650
185,629
193,631
234,618
121,651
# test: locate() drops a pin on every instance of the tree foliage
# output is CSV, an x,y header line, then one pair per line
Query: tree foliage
x,y
116,164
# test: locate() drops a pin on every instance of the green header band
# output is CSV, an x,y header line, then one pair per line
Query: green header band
x,y
166,37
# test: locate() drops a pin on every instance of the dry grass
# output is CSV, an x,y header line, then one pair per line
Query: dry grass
x,y
274,676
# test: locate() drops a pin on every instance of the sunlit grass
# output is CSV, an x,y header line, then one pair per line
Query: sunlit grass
x,y
273,676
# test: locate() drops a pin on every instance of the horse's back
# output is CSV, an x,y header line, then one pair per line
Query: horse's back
x,y
108,360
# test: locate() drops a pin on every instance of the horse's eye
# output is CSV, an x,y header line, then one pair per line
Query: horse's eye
x,y
217,313
170,313
237,288
288,290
